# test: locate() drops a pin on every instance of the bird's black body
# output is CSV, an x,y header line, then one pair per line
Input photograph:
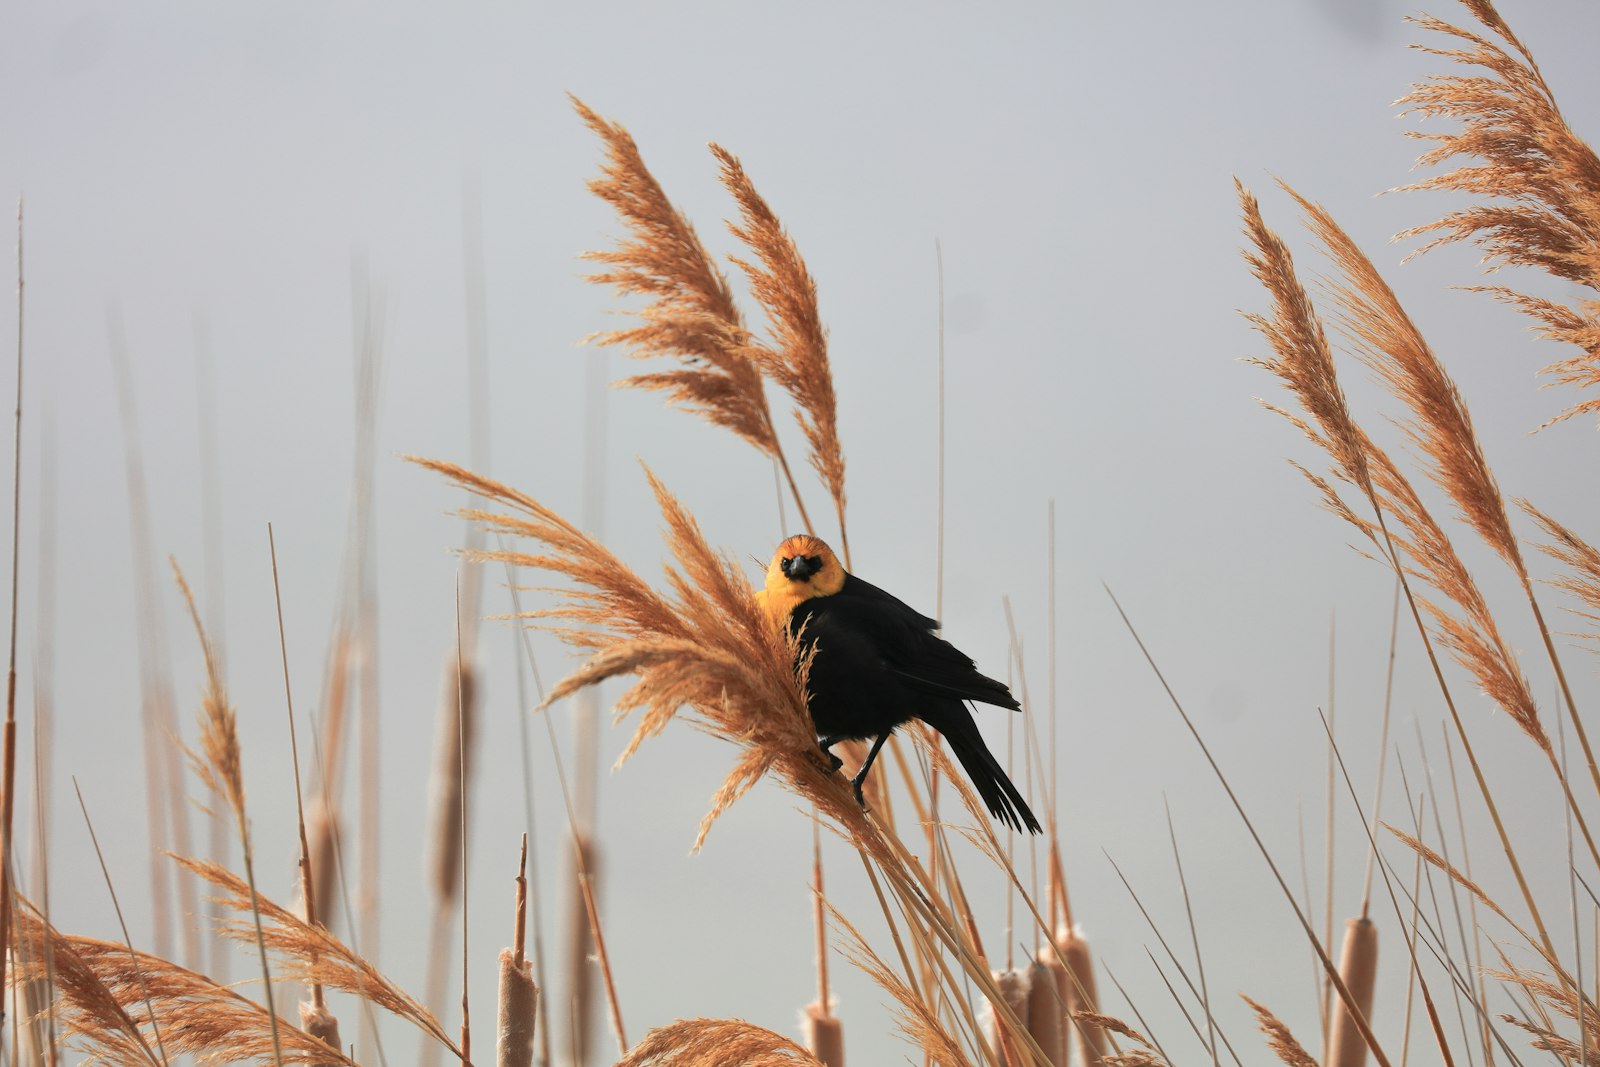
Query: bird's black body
x,y
878,664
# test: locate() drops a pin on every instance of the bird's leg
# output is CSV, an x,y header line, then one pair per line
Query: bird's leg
x,y
861,775
826,743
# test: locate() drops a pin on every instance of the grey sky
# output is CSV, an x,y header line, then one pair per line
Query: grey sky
x,y
1075,164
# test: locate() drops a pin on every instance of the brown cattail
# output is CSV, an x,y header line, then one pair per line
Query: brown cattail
x,y
1047,1007
1358,967
519,1006
1064,1005
322,828
452,770
320,1023
1013,986
1090,1040
824,1035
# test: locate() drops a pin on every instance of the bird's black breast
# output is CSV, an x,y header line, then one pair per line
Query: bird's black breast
x,y
878,663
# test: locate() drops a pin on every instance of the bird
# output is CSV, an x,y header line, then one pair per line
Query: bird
x,y
880,663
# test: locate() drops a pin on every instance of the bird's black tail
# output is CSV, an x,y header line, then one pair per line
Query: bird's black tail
x,y
988,777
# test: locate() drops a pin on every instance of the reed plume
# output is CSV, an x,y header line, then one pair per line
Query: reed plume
x,y
1582,560
1303,359
1280,1040
797,358
1541,180
310,954
692,316
704,646
714,1043
110,994
1440,430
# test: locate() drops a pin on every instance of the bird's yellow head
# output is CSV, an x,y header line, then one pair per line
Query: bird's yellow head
x,y
802,568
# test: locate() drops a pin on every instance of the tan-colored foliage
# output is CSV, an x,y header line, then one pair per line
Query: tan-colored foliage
x,y
1543,181
1581,558
1304,361
703,646
1279,1039
798,358
310,954
715,1043
692,316
131,1007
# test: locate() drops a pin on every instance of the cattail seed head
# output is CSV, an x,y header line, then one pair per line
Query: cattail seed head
x,y
1358,967
1047,1009
320,1024
824,1035
519,1007
1013,985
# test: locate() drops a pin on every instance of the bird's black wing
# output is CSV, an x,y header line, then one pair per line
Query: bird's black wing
x,y
919,658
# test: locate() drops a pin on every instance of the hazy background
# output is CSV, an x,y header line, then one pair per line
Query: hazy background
x,y
239,166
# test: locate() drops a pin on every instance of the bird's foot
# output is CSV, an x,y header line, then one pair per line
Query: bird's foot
x,y
825,745
855,790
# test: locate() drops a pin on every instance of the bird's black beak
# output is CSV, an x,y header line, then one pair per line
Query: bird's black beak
x,y
801,568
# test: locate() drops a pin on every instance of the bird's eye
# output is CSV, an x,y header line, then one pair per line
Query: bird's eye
x,y
816,563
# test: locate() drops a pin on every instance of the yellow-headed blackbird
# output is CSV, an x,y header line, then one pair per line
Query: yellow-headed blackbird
x,y
878,664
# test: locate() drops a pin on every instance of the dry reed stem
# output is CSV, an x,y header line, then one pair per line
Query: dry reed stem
x,y
1541,181
8,776
1358,966
716,1043
309,954
824,1035
579,946
798,357
1266,855
1279,1039
518,1009
1440,863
